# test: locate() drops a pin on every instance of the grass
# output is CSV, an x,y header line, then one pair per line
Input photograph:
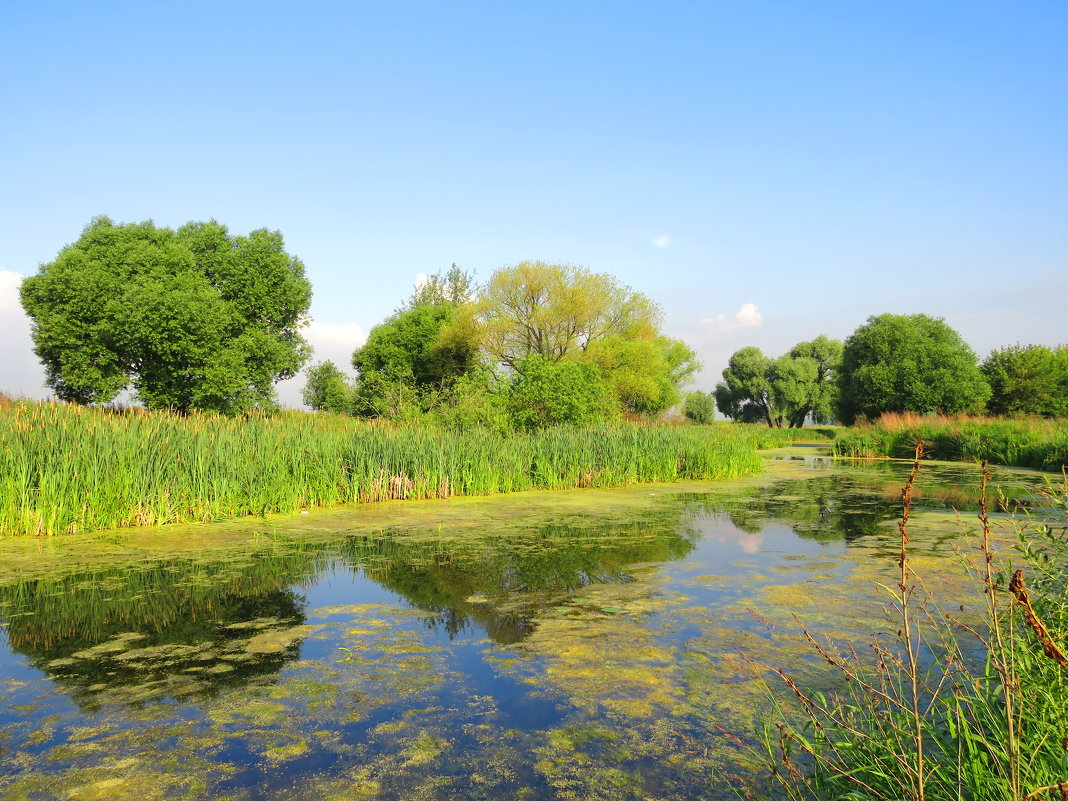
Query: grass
x,y
1037,443
969,699
66,469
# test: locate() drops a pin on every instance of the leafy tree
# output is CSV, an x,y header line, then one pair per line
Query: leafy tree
x,y
327,389
193,318
1028,379
908,363
822,398
546,393
700,407
410,356
784,391
454,286
552,310
644,374
745,392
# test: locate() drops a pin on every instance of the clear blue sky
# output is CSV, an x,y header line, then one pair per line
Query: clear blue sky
x,y
822,162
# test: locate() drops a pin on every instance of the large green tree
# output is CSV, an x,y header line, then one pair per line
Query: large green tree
x,y
781,392
193,318
908,363
1028,379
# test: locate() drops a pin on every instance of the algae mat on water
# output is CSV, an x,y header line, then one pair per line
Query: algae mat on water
x,y
584,645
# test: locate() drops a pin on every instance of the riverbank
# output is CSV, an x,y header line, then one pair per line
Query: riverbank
x,y
1036,443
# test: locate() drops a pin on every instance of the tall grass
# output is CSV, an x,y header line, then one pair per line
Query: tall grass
x,y
955,706
67,469
1042,444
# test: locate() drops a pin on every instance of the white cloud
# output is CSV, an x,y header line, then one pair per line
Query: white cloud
x,y
421,280
662,241
333,342
748,316
20,372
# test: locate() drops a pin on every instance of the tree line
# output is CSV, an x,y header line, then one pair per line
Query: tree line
x,y
200,319
892,363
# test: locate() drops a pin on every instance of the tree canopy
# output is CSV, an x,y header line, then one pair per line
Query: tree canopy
x,y
908,363
193,318
1028,380
327,389
419,351
784,391
555,309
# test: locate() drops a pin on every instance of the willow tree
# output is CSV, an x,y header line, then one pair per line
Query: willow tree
x,y
552,310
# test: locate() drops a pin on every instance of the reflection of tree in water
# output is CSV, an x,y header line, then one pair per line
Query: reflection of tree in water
x,y
121,627
838,506
500,584
182,627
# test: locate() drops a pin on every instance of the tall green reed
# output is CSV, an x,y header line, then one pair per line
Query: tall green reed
x,y
67,469
1041,444
968,701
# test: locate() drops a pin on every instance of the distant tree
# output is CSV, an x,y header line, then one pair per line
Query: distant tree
x,y
547,393
821,398
193,318
454,286
908,363
410,356
745,392
700,407
1028,380
551,310
781,392
327,389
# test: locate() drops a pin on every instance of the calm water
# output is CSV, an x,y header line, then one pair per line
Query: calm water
x,y
582,645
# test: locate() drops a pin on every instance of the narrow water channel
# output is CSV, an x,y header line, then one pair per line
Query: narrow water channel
x,y
580,645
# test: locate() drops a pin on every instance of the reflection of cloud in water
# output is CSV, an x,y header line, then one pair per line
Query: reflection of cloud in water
x,y
719,528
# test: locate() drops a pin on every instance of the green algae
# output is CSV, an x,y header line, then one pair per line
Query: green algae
x,y
639,667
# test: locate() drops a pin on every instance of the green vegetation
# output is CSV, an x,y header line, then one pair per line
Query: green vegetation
x,y
190,319
784,391
67,468
1041,444
327,389
699,407
1028,380
543,344
931,717
908,363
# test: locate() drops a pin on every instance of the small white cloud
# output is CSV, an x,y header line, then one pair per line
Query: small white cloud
x,y
748,316
421,280
662,241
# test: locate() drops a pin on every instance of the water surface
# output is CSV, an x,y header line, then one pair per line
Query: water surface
x,y
596,644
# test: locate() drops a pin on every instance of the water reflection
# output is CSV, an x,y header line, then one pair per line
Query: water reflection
x,y
590,658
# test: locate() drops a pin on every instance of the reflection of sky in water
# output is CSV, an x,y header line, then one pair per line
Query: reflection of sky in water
x,y
482,662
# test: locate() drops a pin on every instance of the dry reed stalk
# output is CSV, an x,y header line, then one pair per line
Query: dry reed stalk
x,y
912,666
1049,645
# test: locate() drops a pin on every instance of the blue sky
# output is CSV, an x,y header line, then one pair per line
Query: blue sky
x,y
767,171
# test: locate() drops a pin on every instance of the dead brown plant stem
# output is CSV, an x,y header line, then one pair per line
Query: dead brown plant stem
x,y
1000,655
911,647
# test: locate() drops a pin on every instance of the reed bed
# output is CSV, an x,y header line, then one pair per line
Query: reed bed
x,y
969,699
66,469
1037,443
